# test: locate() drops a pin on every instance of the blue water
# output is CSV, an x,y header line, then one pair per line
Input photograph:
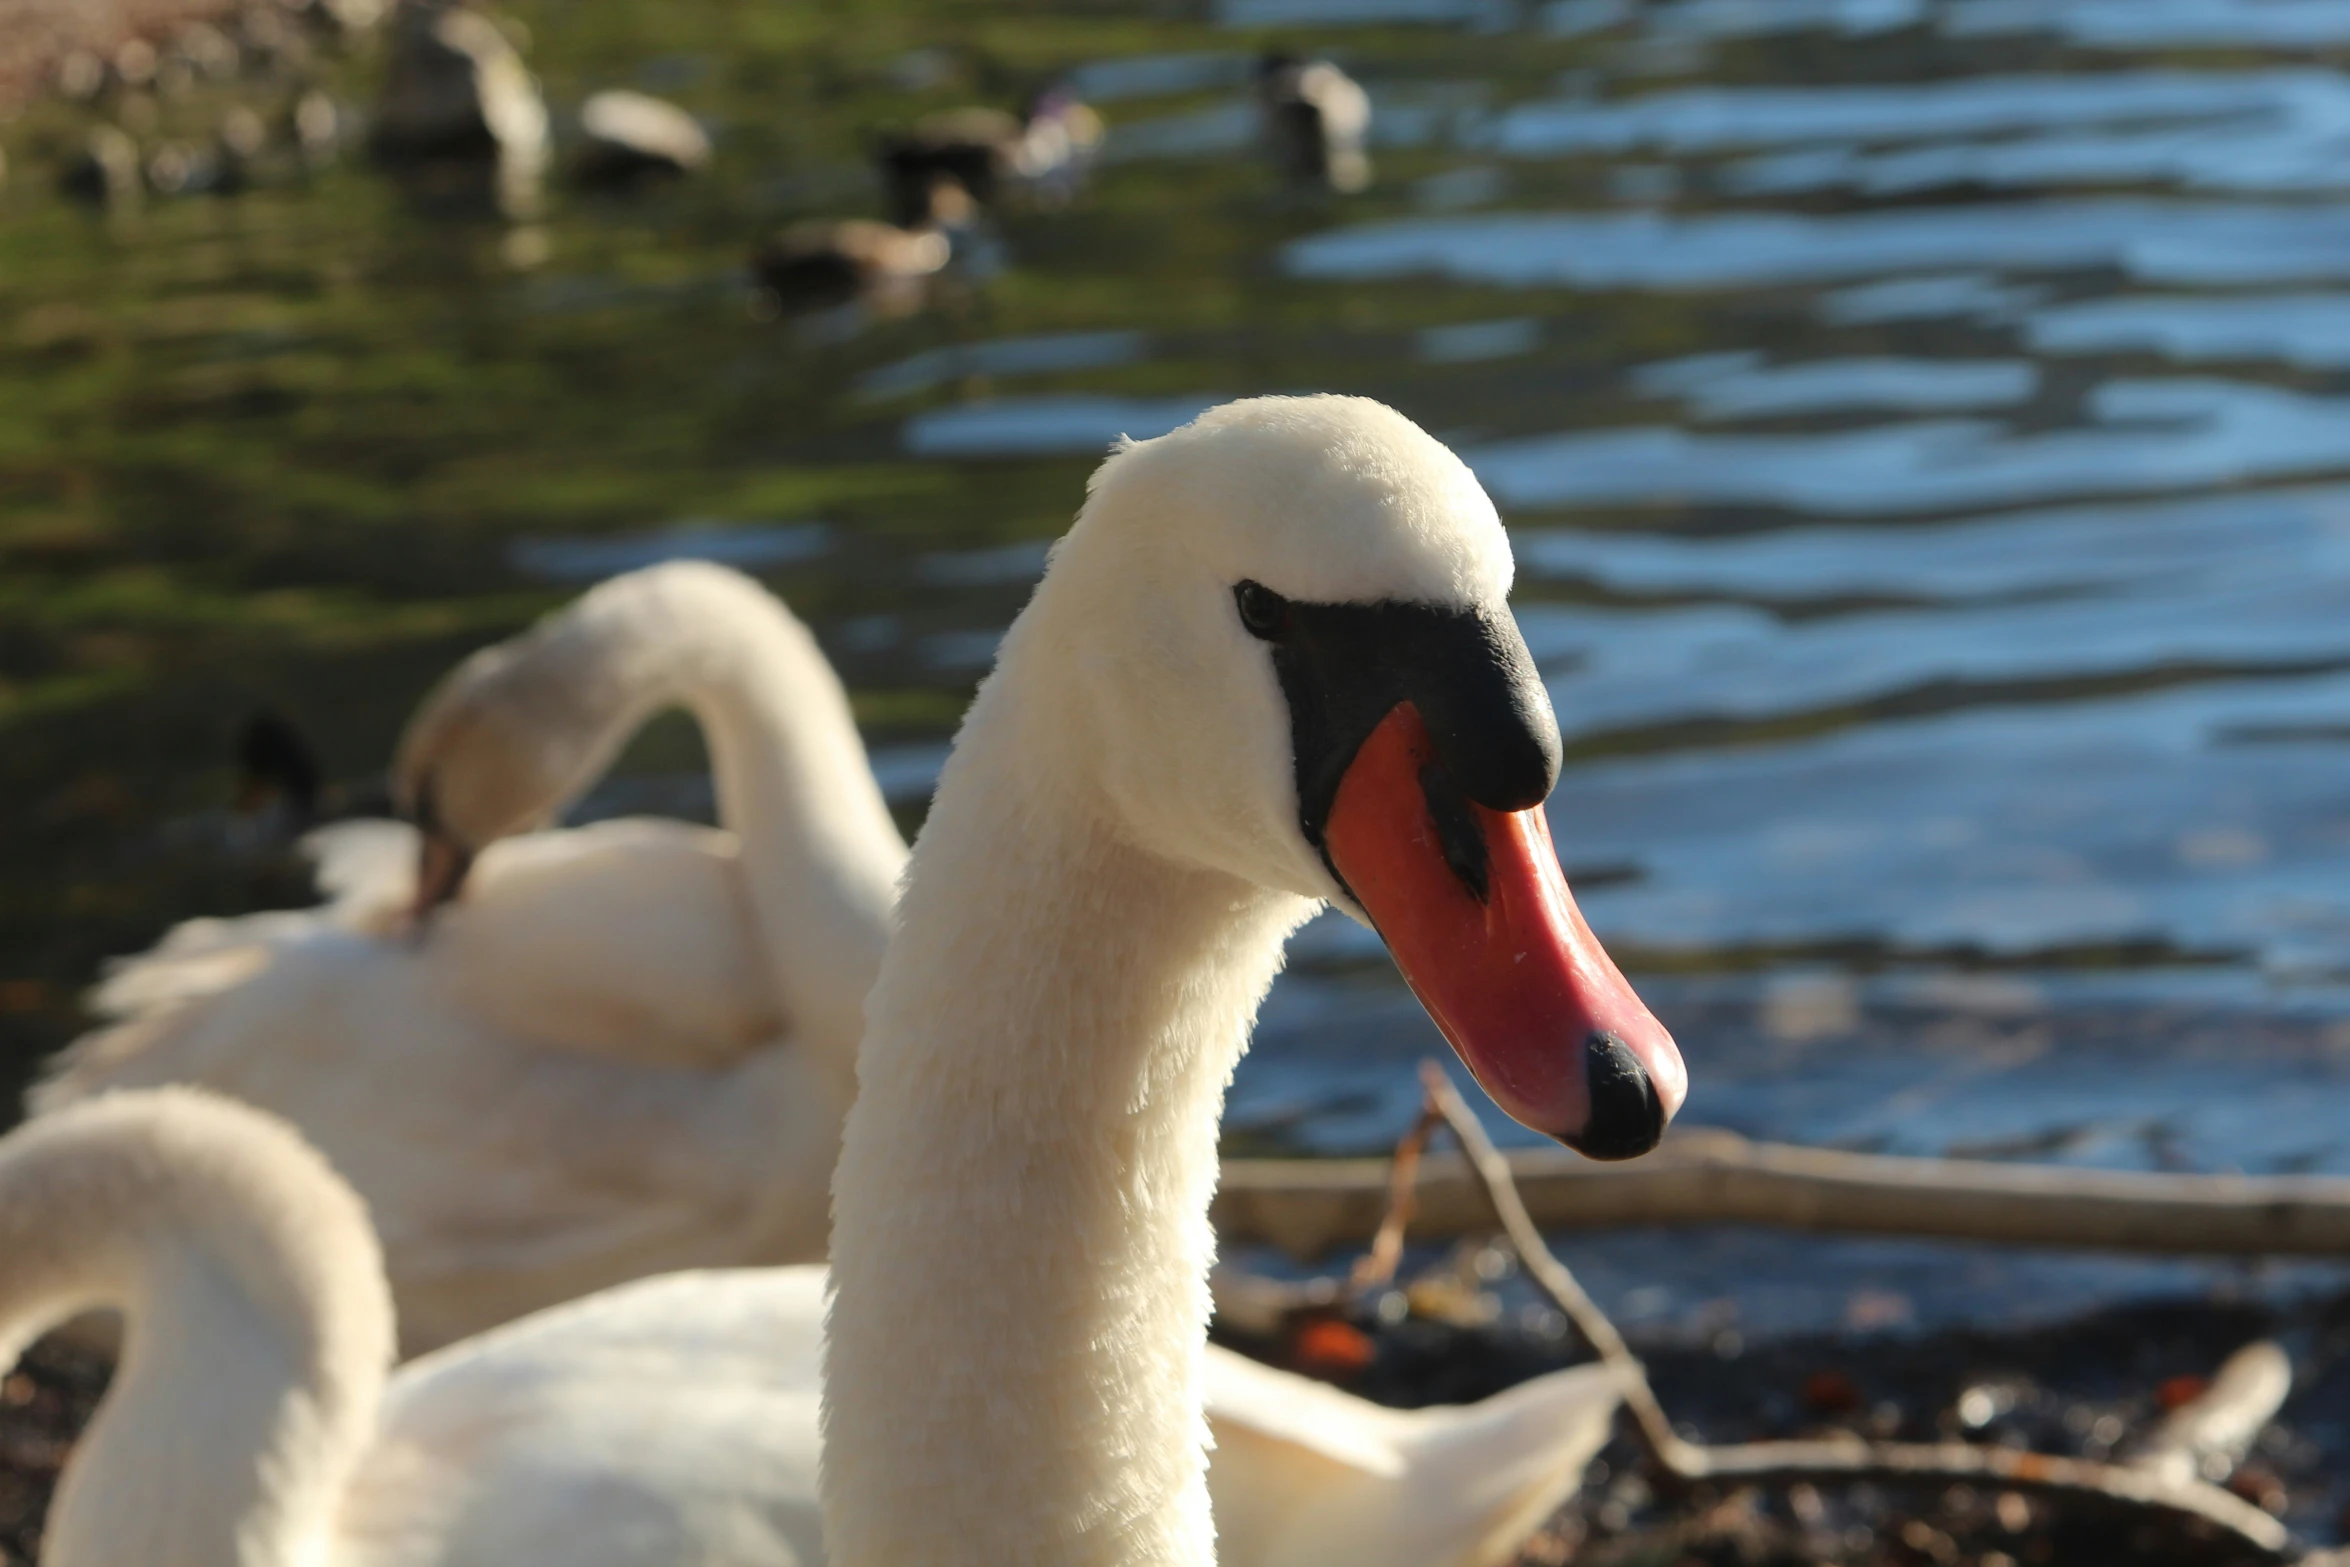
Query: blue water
x,y
1923,425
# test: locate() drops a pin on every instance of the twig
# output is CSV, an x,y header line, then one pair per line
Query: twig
x,y
1708,1176
2213,1430
1839,1462
1656,1432
1377,1266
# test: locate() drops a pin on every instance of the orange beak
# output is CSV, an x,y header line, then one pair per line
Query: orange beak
x,y
1476,911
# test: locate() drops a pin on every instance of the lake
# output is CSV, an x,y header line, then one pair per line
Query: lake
x,y
1924,428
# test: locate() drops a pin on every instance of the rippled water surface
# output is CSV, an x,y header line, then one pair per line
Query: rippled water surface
x,y
1924,426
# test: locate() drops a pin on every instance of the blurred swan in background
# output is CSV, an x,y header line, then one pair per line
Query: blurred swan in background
x,y
629,1047
252,1422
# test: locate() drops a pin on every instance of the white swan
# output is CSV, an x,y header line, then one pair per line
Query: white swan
x,y
1270,664
670,1421
630,1047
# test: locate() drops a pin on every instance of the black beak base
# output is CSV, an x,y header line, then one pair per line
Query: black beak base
x,y
442,861
1345,667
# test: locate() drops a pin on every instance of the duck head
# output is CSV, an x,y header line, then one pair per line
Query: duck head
x,y
1285,634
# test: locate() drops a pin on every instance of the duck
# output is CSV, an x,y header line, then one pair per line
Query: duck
x,y
280,783
258,1420
1271,667
825,264
1044,150
1317,122
654,1023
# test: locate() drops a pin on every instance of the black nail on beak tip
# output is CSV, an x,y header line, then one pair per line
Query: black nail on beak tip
x,y
1627,1119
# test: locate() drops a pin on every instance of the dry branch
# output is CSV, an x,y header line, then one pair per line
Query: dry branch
x,y
1377,1265
1683,1463
2208,1434
1311,1206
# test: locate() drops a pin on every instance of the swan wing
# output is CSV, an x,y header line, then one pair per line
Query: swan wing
x,y
1311,1417
365,868
1306,1475
502,1174
630,940
673,1420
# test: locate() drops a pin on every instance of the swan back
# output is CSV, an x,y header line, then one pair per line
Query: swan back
x,y
519,729
258,1325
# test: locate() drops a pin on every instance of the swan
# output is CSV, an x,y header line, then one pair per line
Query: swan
x,y
673,1420
630,1047
1270,665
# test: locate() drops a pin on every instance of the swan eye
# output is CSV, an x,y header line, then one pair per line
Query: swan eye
x,y
1263,611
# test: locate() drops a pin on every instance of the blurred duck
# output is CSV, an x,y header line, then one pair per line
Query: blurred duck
x,y
653,1025
1044,152
253,1423
831,263
1317,120
280,784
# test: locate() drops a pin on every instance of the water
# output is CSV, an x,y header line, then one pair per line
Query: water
x,y
1924,427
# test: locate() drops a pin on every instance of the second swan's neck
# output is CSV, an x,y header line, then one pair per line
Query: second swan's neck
x,y
794,784
1020,1235
257,1327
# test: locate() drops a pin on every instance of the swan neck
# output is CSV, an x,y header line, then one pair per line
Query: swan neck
x,y
1020,1214
820,851
256,1337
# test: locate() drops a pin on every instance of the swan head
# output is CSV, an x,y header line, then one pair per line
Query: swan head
x,y
502,744
1286,653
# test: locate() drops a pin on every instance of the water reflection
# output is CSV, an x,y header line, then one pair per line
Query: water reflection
x,y
2308,330
2142,435
1048,425
1906,600
2163,242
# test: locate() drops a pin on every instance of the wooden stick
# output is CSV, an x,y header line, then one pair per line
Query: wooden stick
x,y
1377,1266
2209,1434
1838,1462
1493,1174
1311,1206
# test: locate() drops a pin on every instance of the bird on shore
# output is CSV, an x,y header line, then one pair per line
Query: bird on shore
x,y
1316,121
280,783
825,264
1043,151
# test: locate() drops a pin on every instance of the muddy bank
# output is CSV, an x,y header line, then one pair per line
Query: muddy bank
x,y
37,37
2091,1387
44,1403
